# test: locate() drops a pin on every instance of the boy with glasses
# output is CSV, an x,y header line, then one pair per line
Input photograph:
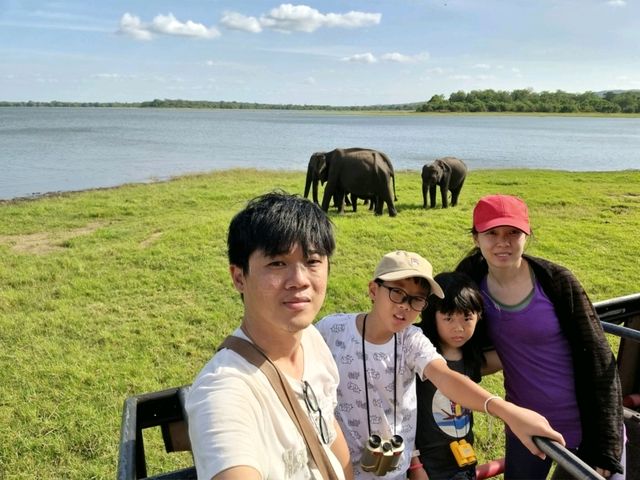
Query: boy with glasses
x,y
279,248
377,409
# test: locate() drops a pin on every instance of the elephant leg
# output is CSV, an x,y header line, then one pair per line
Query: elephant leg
x,y
424,195
391,207
456,193
387,197
326,198
454,197
354,202
339,198
432,195
444,193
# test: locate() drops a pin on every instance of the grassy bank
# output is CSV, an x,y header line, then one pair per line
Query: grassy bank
x,y
109,293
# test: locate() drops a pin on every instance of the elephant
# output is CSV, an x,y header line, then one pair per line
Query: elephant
x,y
363,172
316,173
449,173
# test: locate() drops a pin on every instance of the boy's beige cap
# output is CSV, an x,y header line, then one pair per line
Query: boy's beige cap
x,y
399,265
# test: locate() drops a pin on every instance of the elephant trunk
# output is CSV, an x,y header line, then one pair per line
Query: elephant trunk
x,y
307,184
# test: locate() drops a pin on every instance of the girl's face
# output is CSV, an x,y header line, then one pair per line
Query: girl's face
x,y
455,328
501,247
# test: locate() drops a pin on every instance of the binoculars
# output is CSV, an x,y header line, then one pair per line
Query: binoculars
x,y
463,452
381,456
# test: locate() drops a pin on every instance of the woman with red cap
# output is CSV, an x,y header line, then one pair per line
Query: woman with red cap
x,y
555,357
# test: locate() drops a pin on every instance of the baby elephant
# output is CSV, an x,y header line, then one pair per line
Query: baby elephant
x,y
449,173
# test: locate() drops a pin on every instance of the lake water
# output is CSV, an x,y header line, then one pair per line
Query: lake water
x,y
59,149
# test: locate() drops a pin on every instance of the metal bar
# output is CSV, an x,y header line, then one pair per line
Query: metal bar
x,y
127,461
619,306
620,331
567,460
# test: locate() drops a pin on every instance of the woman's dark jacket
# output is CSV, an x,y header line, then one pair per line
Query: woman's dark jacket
x,y
597,384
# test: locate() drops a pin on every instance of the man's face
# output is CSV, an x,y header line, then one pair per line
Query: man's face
x,y
282,293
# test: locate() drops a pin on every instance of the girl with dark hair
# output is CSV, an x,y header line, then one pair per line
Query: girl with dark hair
x,y
444,434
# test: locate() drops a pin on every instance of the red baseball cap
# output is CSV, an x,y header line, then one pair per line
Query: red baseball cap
x,y
501,210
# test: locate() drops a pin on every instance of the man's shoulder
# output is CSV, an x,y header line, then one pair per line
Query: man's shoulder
x,y
335,323
226,366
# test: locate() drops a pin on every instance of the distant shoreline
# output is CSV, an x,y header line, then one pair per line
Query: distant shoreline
x,y
523,101
349,111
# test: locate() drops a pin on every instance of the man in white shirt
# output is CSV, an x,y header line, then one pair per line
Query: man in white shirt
x,y
279,248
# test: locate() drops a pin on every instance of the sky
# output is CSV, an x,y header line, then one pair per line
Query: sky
x,y
372,52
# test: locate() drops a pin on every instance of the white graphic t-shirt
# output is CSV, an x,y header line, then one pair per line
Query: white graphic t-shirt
x,y
236,417
414,352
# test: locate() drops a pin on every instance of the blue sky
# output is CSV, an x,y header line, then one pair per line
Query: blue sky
x,y
312,52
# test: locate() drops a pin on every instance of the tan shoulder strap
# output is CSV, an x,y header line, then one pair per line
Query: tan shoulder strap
x,y
281,386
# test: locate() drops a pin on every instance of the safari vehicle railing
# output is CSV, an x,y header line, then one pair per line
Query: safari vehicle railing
x,y
165,410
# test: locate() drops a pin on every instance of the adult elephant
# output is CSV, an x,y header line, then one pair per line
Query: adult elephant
x,y
363,172
316,173
449,173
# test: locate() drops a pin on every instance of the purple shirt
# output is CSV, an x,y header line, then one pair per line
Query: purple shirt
x,y
536,360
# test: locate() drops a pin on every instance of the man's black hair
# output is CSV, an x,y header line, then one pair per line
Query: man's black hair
x,y
274,223
461,294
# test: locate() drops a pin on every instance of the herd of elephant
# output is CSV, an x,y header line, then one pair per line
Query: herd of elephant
x,y
363,173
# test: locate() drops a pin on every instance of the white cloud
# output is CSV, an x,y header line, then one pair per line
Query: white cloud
x,y
106,75
401,58
310,81
132,26
113,76
164,25
482,66
617,3
460,77
237,21
169,25
386,57
289,18
352,19
361,58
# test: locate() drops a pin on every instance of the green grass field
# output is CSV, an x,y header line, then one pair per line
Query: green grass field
x,y
109,293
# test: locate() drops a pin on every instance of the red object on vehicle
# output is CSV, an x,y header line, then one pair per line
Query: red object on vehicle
x,y
632,400
490,469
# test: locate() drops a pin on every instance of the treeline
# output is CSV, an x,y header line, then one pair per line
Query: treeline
x,y
177,103
166,103
56,103
527,100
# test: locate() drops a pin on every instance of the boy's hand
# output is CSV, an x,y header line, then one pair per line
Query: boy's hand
x,y
525,423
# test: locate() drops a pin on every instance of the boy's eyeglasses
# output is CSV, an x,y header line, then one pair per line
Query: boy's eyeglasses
x,y
312,405
398,295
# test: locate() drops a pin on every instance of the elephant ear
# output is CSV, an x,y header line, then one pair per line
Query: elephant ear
x,y
444,165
